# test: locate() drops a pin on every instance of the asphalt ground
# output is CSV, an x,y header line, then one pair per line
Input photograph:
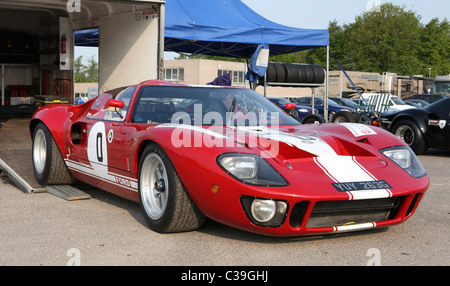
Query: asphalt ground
x,y
42,229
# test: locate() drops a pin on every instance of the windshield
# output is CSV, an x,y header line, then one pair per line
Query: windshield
x,y
442,87
207,106
397,100
349,102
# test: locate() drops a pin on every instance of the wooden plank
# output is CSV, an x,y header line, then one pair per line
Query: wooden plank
x,y
67,192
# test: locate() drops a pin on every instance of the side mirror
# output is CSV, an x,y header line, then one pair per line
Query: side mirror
x,y
115,103
290,105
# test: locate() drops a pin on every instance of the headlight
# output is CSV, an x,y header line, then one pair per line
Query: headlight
x,y
264,212
243,167
405,158
250,169
303,110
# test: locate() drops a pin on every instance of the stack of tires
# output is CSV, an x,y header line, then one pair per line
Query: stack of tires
x,y
294,73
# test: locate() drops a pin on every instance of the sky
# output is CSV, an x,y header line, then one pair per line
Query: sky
x,y
316,14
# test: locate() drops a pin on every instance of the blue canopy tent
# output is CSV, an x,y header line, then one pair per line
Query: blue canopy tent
x,y
86,38
231,28
223,28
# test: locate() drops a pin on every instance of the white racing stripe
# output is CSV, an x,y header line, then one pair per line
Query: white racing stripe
x,y
341,169
345,169
115,179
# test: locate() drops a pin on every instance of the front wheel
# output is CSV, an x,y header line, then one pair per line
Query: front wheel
x,y
166,205
410,133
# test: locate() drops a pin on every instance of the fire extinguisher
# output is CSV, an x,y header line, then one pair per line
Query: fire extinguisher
x,y
63,44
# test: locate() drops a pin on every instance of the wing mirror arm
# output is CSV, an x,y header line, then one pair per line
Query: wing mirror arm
x,y
116,104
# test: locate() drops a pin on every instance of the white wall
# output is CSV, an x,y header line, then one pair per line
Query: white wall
x,y
128,52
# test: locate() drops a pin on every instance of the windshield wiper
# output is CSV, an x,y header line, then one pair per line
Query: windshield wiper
x,y
231,112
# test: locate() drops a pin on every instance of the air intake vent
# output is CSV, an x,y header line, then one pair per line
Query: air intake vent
x,y
336,213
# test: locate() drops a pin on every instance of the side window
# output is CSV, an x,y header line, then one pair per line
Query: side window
x,y
113,114
125,96
97,110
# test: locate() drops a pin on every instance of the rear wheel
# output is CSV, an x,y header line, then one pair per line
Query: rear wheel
x,y
342,117
313,119
166,205
48,164
409,132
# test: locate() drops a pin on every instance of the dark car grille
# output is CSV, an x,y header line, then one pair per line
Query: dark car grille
x,y
337,213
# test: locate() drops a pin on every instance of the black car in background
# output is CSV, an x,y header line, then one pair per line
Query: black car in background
x,y
419,103
430,98
421,128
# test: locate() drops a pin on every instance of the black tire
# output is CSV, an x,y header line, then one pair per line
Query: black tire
x,y
309,74
409,132
342,117
281,73
271,73
292,73
313,119
301,73
176,211
48,164
319,74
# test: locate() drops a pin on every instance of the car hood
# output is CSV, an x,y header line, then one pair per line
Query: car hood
x,y
401,107
324,154
286,143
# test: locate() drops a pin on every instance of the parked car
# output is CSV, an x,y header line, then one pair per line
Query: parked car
x,y
298,112
186,153
419,103
333,107
430,98
421,128
345,102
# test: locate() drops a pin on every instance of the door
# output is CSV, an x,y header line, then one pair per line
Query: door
x,y
438,134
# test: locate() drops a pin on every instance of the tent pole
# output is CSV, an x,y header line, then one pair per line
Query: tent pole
x,y
161,32
326,85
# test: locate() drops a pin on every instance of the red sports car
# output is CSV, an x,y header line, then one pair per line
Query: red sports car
x,y
186,153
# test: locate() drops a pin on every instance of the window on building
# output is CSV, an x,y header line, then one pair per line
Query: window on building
x,y
174,74
236,76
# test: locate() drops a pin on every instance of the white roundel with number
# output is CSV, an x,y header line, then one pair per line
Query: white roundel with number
x,y
97,149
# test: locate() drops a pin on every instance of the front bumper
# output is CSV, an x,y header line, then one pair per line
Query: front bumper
x,y
305,217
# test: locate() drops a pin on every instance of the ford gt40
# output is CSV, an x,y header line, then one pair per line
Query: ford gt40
x,y
187,153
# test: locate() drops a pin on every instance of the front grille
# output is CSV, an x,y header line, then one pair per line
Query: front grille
x,y
337,213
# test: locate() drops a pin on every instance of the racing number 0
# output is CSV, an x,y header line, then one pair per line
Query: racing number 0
x,y
99,147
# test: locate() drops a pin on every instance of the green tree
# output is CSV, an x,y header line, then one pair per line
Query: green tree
x,y
384,40
86,73
79,68
434,49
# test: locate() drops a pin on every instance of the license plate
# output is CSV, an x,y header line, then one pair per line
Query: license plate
x,y
361,186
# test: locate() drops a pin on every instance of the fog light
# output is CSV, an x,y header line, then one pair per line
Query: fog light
x,y
263,210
